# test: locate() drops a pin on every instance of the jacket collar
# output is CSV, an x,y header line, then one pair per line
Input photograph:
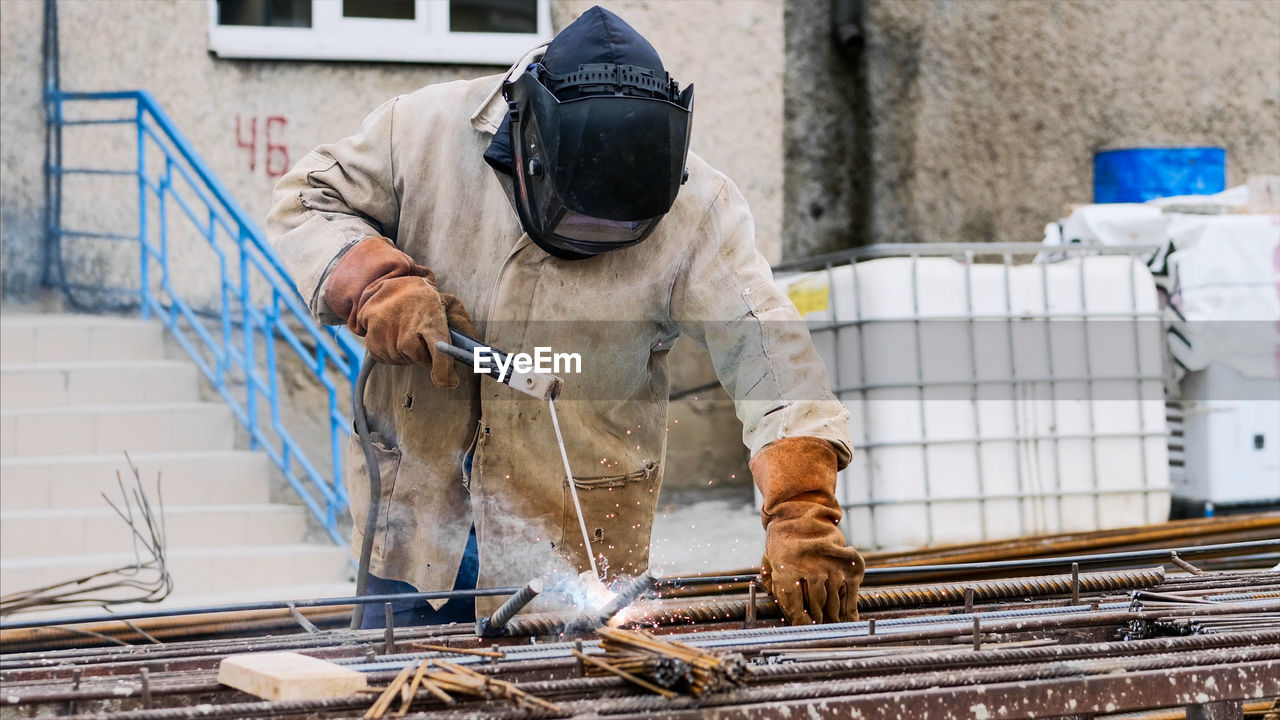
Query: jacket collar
x,y
493,108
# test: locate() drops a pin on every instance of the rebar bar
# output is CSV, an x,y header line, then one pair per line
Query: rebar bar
x,y
871,599
496,624
948,657
626,596
262,605
1261,661
1223,626
873,573
1267,524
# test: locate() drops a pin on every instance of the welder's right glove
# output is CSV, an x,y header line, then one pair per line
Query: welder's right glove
x,y
808,568
393,303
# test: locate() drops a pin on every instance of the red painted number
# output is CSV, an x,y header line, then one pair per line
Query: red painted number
x,y
252,144
275,152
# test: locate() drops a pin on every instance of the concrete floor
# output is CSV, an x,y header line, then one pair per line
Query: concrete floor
x,y
706,531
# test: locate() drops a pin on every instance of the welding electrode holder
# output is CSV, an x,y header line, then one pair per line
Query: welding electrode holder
x,y
543,386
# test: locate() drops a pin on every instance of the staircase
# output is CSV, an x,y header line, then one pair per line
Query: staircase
x,y
76,392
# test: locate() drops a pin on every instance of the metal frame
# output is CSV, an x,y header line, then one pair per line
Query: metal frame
x,y
851,389
234,341
880,576
332,36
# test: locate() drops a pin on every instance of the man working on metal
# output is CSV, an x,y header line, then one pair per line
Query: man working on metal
x,y
556,206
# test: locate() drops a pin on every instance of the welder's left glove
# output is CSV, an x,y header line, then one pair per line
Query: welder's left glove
x,y
808,568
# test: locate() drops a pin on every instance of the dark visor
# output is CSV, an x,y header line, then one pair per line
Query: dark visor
x,y
599,170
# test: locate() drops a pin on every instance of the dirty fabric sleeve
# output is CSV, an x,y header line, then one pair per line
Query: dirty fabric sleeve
x,y
724,297
337,195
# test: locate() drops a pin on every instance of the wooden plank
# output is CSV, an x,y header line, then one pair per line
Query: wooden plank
x,y
288,676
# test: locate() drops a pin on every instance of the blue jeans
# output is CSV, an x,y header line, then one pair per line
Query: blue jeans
x,y
420,612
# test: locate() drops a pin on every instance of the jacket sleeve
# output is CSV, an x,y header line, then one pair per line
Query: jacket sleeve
x,y
334,197
725,298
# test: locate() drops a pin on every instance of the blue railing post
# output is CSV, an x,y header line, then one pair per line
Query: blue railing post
x,y
323,496
144,275
247,333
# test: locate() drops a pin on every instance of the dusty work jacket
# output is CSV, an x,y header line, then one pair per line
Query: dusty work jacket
x,y
414,174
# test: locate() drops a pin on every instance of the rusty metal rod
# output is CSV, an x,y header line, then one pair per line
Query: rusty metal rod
x,y
898,683
626,596
871,599
1023,564
496,624
942,658
334,638
263,605
949,657
1194,528
1259,662
1252,638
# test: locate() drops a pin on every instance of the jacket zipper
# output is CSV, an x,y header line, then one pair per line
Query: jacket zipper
x,y
482,432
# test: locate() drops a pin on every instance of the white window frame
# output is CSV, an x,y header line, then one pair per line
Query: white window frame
x,y
425,39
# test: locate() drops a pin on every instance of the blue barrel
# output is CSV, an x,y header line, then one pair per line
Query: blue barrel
x,y
1140,174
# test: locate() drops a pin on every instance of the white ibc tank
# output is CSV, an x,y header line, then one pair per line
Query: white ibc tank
x,y
993,401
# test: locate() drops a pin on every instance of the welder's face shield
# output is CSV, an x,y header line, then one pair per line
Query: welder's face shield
x,y
596,172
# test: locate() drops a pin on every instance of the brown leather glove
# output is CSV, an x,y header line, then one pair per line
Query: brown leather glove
x,y
807,566
393,303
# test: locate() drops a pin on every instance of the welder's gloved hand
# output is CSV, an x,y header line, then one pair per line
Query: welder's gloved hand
x,y
807,566
393,303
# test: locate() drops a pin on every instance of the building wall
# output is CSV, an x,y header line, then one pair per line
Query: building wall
x,y
251,119
232,109
21,147
978,120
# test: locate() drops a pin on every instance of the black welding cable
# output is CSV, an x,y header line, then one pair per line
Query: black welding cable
x,y
375,486
375,476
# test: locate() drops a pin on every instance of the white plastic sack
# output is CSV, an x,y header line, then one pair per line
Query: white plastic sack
x,y
1220,270
1224,283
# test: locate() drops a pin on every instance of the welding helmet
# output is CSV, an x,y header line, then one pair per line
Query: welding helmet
x,y
598,153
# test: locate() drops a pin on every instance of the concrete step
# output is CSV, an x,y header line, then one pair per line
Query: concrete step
x,y
31,338
115,428
202,571
63,384
46,533
219,477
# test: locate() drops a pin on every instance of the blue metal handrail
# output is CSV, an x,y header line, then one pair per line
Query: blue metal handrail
x,y
233,337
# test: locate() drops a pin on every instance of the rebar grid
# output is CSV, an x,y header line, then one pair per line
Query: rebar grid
x,y
1015,638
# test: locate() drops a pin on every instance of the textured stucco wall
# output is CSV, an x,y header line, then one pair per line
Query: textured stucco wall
x,y
160,45
21,147
732,52
978,120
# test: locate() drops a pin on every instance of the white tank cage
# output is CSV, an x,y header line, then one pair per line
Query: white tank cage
x,y
995,391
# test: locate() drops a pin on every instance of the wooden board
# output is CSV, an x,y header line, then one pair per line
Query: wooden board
x,y
288,676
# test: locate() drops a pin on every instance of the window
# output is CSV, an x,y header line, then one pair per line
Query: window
x,y
487,32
